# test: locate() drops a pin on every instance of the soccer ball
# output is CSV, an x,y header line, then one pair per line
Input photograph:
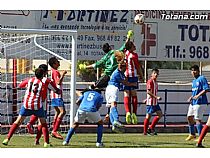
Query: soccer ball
x,y
139,19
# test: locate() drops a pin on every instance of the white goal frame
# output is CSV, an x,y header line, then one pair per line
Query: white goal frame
x,y
73,34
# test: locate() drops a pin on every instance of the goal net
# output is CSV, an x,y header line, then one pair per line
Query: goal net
x,y
21,52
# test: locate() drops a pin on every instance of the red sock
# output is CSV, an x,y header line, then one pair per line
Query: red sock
x,y
154,122
146,125
54,121
203,133
12,130
33,119
45,133
39,132
134,102
57,124
127,104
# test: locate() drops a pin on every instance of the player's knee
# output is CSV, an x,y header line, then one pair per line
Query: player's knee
x,y
160,115
63,112
75,125
100,122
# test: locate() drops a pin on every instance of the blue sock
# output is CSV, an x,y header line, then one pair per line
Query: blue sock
x,y
111,118
69,135
99,133
115,113
192,129
199,128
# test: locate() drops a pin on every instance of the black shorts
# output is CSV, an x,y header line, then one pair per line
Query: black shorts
x,y
102,82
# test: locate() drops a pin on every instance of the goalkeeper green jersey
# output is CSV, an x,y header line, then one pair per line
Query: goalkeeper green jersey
x,y
109,62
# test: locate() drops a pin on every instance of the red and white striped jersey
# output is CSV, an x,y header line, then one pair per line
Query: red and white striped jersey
x,y
48,84
132,64
55,77
33,95
153,87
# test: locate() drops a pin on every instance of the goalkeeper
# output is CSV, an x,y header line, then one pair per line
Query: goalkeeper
x,y
108,62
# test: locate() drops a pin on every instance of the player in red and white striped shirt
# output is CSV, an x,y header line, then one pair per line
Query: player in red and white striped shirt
x,y
152,104
48,85
32,105
57,100
133,73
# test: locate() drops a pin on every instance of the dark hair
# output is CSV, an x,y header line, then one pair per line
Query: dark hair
x,y
155,70
106,47
44,67
129,45
88,89
98,90
39,73
52,61
195,68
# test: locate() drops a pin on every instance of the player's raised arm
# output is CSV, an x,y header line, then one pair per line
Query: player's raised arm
x,y
24,83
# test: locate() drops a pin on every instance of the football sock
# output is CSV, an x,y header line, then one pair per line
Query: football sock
x,y
146,125
99,133
115,113
154,122
192,129
39,132
134,102
57,124
54,121
45,133
33,119
69,134
111,118
203,133
199,128
12,130
126,104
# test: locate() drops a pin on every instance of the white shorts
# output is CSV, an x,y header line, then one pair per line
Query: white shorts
x,y
111,94
92,117
197,111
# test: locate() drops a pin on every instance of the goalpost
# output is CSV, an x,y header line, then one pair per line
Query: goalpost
x,y
23,50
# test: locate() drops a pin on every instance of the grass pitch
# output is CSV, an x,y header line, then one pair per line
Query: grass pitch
x,y
110,141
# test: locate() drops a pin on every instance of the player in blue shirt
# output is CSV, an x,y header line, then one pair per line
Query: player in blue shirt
x,y
89,102
116,83
198,102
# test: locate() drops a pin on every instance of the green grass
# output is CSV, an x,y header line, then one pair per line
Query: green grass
x,y
110,141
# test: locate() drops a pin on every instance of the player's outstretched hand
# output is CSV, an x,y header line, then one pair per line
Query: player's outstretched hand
x,y
82,66
130,34
64,72
159,98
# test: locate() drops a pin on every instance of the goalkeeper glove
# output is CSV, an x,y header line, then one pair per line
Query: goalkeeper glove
x,y
130,33
82,66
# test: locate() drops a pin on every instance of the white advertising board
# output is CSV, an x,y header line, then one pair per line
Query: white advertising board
x,y
160,39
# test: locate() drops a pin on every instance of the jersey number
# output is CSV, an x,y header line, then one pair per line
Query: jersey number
x,y
33,87
90,96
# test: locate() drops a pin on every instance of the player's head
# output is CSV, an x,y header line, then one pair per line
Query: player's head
x,y
122,66
44,67
130,46
39,73
106,47
54,63
195,71
119,55
155,73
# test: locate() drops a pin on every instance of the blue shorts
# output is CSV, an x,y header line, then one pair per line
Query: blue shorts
x,y
28,112
152,109
132,80
57,102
